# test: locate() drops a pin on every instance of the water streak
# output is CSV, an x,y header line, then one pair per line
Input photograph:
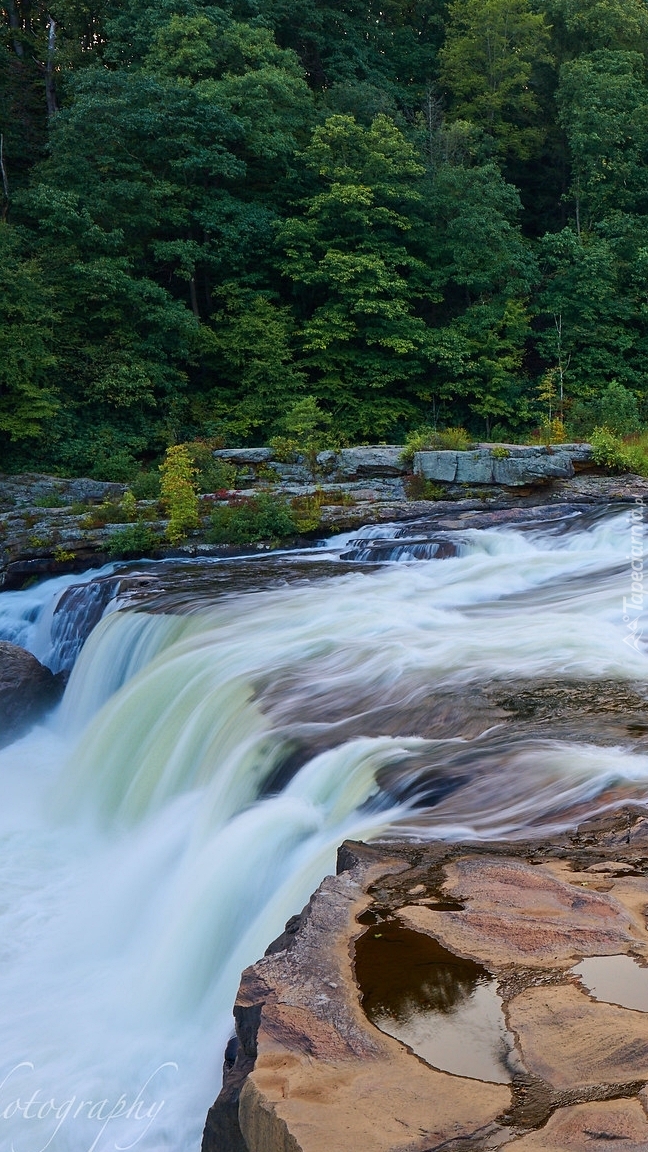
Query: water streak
x,y
191,791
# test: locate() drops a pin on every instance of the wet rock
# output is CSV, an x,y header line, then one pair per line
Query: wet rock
x,y
323,1080
516,913
27,690
606,1126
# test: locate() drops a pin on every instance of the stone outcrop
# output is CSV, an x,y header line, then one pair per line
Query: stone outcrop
x,y
27,690
312,1074
507,465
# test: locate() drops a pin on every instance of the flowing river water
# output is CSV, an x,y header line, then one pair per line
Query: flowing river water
x,y
222,733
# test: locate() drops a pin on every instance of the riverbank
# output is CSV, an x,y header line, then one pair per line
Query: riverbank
x,y
51,525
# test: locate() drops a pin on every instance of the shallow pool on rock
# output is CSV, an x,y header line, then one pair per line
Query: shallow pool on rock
x,y
615,980
446,1009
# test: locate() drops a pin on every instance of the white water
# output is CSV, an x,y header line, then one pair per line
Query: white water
x,y
144,865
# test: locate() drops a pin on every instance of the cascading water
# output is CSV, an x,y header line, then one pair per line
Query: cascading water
x,y
209,756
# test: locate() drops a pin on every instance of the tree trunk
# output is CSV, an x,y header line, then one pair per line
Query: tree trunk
x,y
50,89
14,24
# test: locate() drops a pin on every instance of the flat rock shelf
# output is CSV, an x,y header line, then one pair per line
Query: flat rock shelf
x,y
340,1026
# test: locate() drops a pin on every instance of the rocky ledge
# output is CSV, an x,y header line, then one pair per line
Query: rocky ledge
x,y
508,988
50,525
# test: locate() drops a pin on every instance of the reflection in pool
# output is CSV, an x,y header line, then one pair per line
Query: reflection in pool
x,y
615,980
444,1008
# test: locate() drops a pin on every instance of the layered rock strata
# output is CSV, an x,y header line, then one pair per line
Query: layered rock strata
x,y
313,1074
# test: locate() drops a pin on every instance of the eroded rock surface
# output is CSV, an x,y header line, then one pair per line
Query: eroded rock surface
x,y
313,1074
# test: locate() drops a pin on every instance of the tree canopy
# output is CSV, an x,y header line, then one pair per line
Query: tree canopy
x,y
407,213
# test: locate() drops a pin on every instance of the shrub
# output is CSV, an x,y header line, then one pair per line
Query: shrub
x,y
128,505
119,467
136,540
212,473
179,492
146,485
265,517
618,410
109,512
608,451
50,500
63,555
426,438
417,488
500,453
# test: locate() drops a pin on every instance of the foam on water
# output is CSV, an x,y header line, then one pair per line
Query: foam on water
x,y
152,847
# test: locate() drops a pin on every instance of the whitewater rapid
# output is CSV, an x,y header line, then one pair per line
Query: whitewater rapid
x,y
190,792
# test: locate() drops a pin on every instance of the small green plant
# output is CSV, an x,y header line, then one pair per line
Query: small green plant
x,y
119,467
38,542
608,451
265,517
179,492
128,505
135,540
428,439
284,449
304,430
213,474
109,512
78,508
146,485
418,488
499,452
63,555
50,500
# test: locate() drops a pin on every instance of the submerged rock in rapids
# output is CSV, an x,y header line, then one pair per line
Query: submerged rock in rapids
x,y
27,689
506,926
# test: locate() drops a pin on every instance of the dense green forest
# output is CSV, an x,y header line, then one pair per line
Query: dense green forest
x,y
417,213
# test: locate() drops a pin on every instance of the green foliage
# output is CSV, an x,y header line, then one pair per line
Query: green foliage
x,y
212,473
179,492
417,488
426,438
108,512
265,517
499,452
376,217
63,555
50,500
146,485
128,505
618,410
136,540
488,60
609,451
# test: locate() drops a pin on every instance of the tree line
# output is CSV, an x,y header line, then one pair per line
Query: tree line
x,y
409,213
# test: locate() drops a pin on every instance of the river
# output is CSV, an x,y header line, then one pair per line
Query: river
x,y
222,733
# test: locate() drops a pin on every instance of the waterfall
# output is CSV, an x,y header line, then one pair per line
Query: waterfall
x,y
191,790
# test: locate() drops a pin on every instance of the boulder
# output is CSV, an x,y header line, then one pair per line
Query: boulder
x,y
512,466
355,463
27,690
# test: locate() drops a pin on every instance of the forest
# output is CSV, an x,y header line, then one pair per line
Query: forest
x,y
390,215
